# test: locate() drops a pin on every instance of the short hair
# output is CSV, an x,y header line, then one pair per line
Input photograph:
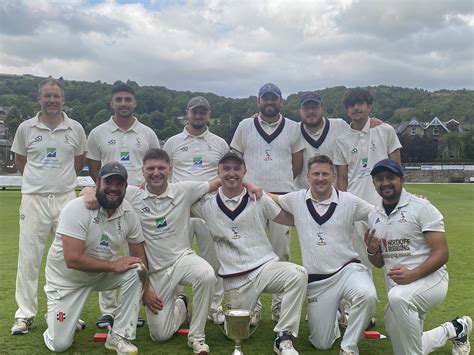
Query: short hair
x,y
357,95
123,87
156,153
50,81
320,159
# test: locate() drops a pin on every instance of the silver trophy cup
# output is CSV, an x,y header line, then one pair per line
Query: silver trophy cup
x,y
237,327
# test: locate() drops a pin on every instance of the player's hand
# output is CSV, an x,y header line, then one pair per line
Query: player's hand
x,y
89,198
151,300
371,241
255,191
374,122
402,275
125,263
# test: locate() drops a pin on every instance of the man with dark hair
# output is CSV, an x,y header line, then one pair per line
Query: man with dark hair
x,y
272,148
49,153
407,239
248,263
324,218
84,257
194,154
122,138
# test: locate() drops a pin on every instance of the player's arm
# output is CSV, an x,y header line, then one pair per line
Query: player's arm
x,y
297,163
285,218
78,163
342,172
374,251
439,256
75,258
395,155
94,168
20,162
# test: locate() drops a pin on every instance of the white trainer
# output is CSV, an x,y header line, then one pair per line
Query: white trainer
x,y
255,318
284,345
217,316
461,345
121,345
199,347
22,325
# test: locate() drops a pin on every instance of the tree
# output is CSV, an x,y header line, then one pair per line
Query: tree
x,y
12,121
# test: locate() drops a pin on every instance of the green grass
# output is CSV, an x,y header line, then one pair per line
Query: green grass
x,y
454,201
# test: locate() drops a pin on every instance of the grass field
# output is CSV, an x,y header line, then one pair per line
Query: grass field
x,y
456,202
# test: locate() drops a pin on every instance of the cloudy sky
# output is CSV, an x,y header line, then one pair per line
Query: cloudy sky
x,y
231,47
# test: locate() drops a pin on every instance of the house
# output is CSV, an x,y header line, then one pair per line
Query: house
x,y
434,129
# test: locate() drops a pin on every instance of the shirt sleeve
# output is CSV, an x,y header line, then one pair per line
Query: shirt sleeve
x,y
74,219
392,140
270,208
286,201
339,158
19,141
430,219
82,146
135,234
154,141
298,143
237,141
194,190
93,151
362,209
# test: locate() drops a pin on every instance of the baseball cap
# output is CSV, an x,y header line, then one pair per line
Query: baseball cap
x,y
310,96
113,168
198,101
232,156
269,87
387,165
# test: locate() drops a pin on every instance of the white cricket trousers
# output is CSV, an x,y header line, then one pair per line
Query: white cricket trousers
x,y
279,236
65,307
281,277
207,251
38,218
352,283
405,313
188,270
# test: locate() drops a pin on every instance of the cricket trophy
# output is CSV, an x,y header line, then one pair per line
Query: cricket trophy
x,y
237,327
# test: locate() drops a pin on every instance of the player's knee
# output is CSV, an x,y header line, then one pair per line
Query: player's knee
x,y
397,301
206,276
59,343
320,343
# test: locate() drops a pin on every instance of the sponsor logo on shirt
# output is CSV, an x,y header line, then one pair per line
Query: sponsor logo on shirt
x,y
184,149
145,210
111,142
354,151
38,138
95,220
364,162
395,248
51,152
104,240
124,156
161,222
197,162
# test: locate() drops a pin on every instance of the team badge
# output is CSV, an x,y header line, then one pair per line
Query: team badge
x,y
377,220
236,233
372,145
402,218
66,139
139,144
60,316
321,240
268,156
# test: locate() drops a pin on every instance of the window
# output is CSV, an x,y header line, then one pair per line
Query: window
x,y
435,131
413,131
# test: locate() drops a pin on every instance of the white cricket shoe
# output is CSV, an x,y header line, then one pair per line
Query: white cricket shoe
x,y
22,325
461,345
284,345
199,347
121,345
217,316
255,318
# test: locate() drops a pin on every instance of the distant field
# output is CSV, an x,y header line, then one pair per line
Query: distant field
x,y
454,201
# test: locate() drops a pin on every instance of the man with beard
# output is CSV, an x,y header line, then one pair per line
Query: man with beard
x,y
407,239
84,257
49,153
270,144
122,138
194,155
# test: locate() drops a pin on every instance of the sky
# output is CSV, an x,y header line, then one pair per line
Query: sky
x,y
232,47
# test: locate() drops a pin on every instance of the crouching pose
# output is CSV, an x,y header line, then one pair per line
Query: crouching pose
x,y
248,264
407,239
324,218
84,258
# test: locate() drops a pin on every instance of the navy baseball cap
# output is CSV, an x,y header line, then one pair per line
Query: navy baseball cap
x,y
232,155
269,87
113,168
310,96
198,101
387,165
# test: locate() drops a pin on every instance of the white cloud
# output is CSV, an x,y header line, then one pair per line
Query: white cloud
x,y
232,47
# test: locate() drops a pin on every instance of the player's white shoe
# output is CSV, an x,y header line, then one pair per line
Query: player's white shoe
x,y
80,325
216,315
343,352
276,311
199,347
461,345
121,345
22,325
284,344
255,318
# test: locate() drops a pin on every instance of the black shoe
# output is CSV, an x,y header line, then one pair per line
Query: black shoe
x,y
140,322
184,298
104,321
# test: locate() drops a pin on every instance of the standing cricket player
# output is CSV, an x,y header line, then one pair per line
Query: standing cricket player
x,y
407,239
49,153
324,218
194,155
84,258
272,148
248,263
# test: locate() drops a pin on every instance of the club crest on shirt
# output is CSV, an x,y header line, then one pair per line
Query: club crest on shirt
x,y
67,139
372,145
402,217
236,233
321,240
268,155
139,144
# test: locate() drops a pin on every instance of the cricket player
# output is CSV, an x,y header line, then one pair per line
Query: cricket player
x,y
122,138
194,154
84,258
272,148
49,153
324,218
248,264
407,238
